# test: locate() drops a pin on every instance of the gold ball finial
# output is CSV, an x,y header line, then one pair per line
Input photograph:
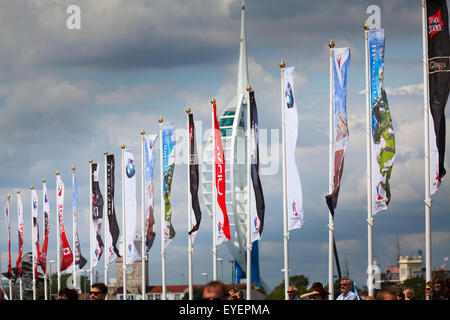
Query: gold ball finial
x,y
122,146
366,26
142,132
188,110
73,168
249,88
105,153
282,64
90,160
32,188
161,120
331,44
18,191
9,195
43,180
213,100
57,172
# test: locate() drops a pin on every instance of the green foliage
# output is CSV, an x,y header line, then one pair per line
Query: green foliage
x,y
299,281
197,294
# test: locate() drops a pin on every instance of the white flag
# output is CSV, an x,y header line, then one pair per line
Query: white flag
x,y
293,183
131,252
35,232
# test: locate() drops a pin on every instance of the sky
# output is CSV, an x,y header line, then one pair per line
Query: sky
x,y
68,95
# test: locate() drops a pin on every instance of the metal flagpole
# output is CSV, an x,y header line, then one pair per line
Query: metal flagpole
x,y
143,239
33,244
44,224
283,159
369,164
330,179
58,235
214,193
124,257
105,218
74,234
190,249
91,227
163,251
426,101
249,202
10,280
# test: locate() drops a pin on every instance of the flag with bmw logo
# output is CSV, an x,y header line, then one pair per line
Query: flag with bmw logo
x,y
131,253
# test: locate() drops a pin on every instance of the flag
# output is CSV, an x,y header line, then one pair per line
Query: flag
x,y
65,251
97,217
20,229
439,86
46,210
222,223
8,226
383,139
35,230
168,165
80,261
113,235
193,179
341,66
131,253
293,182
256,192
149,158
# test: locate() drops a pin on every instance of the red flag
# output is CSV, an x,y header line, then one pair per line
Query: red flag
x,y
20,226
223,225
46,209
65,252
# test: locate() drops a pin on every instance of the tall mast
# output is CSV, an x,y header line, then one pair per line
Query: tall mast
x,y
243,70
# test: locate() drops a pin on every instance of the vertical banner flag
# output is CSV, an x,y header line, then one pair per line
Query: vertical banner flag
x,y
439,85
20,229
97,217
80,261
293,182
193,178
341,66
65,251
256,192
383,140
46,210
35,217
113,234
168,147
131,252
222,222
149,157
6,208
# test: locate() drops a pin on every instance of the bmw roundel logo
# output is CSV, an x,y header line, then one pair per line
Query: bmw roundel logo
x,y
289,96
130,168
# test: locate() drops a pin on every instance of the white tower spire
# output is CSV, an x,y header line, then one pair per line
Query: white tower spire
x,y
242,71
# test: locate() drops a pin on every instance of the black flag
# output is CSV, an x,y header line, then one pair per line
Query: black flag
x,y
439,74
112,220
97,212
193,174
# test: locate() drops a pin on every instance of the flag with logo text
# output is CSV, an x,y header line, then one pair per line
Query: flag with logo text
x,y
113,233
20,230
80,261
65,251
35,231
97,217
46,210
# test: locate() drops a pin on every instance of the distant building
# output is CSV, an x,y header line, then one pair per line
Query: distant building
x,y
408,267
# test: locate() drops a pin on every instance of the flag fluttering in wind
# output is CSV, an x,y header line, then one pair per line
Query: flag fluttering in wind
x,y
193,179
8,229
65,251
131,252
341,63
113,235
293,182
439,86
20,230
222,222
80,261
256,192
168,166
383,139
46,210
97,217
149,157
35,216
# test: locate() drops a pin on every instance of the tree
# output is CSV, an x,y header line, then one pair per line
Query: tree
x,y
299,281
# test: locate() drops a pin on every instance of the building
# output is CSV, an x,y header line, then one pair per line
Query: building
x,y
173,292
407,268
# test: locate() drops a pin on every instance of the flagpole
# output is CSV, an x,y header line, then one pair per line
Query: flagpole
x,y
190,248
90,225
331,45
163,251
214,194
426,98
9,217
369,164
33,244
105,218
249,214
283,159
143,239
58,231
124,257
